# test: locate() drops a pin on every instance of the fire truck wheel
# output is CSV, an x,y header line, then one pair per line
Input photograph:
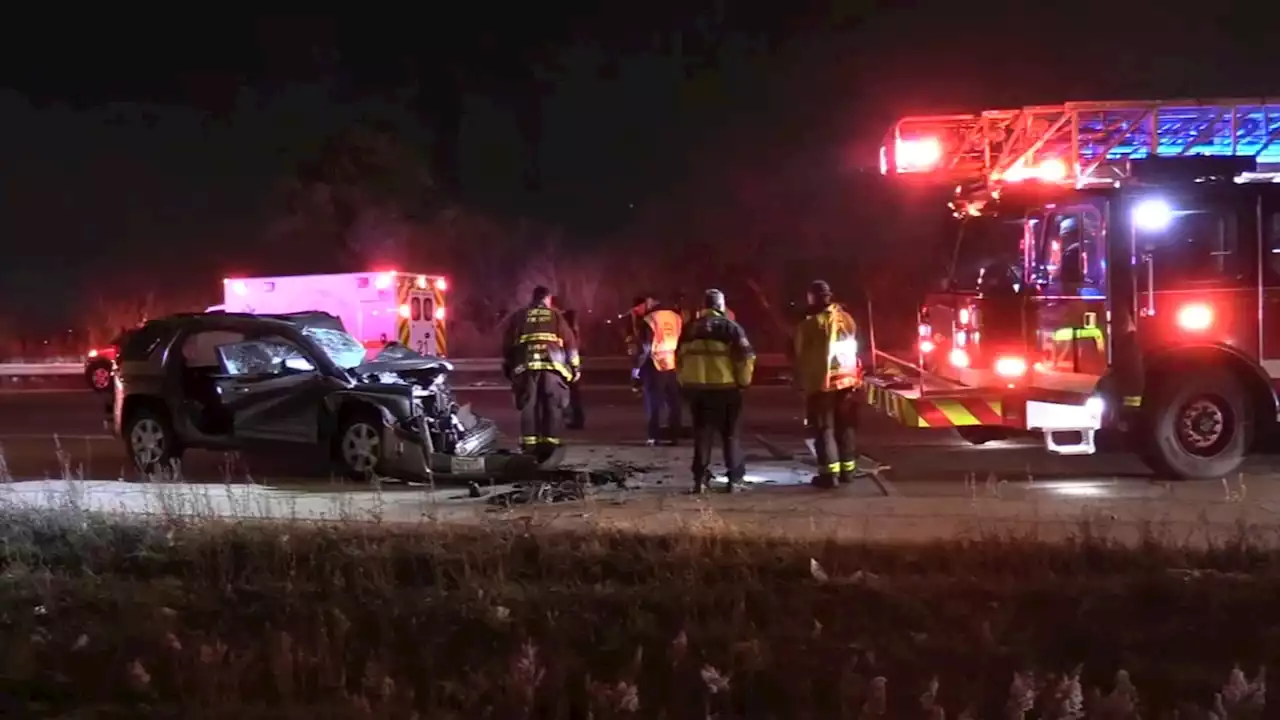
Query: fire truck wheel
x,y
980,435
1199,427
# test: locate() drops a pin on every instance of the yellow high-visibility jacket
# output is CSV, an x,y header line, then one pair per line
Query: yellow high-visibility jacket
x,y
826,351
714,354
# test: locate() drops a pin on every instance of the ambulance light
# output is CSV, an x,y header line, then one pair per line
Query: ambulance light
x,y
440,313
384,280
404,310
1152,215
1010,366
959,358
921,155
1195,317
421,282
442,284
239,287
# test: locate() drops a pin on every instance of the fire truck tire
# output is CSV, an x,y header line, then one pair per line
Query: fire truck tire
x,y
980,434
1199,426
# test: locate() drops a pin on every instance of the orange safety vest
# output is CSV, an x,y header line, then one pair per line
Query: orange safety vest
x,y
666,326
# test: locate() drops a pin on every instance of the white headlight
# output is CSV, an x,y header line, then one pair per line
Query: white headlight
x,y
1095,406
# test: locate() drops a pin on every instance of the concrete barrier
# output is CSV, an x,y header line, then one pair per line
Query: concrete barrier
x,y
461,365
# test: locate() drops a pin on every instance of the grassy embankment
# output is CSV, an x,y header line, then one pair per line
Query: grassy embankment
x,y
179,617
101,617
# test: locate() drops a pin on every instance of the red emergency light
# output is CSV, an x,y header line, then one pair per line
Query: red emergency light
x,y
1195,317
914,155
1048,170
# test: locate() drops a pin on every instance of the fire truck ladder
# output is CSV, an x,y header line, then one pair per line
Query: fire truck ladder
x,y
1079,143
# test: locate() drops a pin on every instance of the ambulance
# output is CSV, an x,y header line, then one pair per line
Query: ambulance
x,y
375,307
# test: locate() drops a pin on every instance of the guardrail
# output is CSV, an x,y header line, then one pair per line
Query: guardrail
x,y
491,365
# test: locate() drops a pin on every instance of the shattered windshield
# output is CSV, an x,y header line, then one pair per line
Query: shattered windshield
x,y
344,350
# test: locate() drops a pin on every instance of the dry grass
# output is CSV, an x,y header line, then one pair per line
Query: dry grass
x,y
103,617
186,615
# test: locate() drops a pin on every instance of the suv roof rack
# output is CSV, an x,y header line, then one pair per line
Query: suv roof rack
x,y
1081,143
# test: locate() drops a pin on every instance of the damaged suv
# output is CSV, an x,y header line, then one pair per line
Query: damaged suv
x,y
224,381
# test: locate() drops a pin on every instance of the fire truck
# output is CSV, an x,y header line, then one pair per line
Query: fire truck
x,y
1127,278
375,307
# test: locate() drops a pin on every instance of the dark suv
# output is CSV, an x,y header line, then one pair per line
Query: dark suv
x,y
224,381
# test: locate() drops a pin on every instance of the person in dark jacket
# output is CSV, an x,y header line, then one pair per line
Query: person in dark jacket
x,y
540,358
576,419
714,365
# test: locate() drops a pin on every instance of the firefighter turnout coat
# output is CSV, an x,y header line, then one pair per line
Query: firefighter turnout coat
x,y
714,354
539,338
826,351
659,335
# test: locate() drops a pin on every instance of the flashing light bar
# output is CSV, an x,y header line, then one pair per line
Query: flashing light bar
x,y
1080,142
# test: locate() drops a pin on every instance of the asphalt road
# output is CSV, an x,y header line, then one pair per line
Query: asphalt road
x,y
56,433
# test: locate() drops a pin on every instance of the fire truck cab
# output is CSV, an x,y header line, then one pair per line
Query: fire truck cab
x,y
1133,281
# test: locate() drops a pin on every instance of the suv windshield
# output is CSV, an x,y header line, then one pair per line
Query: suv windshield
x,y
344,350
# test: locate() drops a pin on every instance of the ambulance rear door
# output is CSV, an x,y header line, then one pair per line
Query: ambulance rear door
x,y
421,325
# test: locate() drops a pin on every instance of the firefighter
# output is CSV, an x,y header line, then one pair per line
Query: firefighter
x,y
828,372
715,363
576,419
654,370
540,358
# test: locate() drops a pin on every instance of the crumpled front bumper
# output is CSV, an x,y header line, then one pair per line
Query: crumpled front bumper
x,y
406,456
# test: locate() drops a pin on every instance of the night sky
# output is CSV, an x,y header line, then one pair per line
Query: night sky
x,y
150,150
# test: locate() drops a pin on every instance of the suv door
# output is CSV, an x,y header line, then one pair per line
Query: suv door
x,y
272,390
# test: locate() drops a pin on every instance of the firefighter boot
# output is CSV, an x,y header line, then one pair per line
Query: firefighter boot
x,y
700,483
826,481
848,471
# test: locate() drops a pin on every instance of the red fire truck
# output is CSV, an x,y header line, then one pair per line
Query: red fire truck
x,y
1122,272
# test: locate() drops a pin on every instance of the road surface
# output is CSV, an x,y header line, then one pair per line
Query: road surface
x,y
54,452
35,425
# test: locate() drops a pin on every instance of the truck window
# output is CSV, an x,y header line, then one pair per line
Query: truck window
x,y
1198,247
986,253
1068,256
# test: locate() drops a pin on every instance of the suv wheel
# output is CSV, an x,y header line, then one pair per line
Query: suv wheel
x,y
358,447
99,376
150,441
